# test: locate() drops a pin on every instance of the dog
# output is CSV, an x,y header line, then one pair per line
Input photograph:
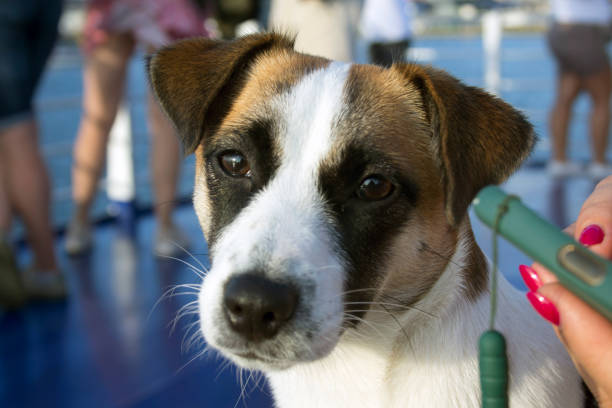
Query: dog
x,y
334,199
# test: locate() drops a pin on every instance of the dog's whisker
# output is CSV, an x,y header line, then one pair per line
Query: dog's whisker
x,y
189,308
197,286
398,323
250,378
394,305
201,273
225,365
353,291
257,378
243,384
180,316
170,292
198,355
204,268
429,249
399,305
348,292
374,303
185,345
307,346
361,320
193,342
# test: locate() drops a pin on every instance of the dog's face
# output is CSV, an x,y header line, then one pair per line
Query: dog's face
x,y
323,188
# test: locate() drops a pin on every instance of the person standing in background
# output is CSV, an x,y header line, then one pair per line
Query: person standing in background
x,y
326,28
112,31
387,27
28,31
577,39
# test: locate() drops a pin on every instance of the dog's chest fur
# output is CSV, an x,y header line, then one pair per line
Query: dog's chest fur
x,y
334,200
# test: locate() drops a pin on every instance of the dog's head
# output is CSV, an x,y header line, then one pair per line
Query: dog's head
x,y
323,187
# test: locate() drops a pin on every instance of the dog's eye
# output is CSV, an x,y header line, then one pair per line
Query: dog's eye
x,y
374,188
235,164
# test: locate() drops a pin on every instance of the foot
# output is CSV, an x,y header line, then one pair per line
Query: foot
x,y
44,285
78,238
12,293
170,241
598,171
560,169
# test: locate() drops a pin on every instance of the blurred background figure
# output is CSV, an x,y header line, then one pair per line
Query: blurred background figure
x,y
386,25
113,29
327,28
28,31
577,39
231,15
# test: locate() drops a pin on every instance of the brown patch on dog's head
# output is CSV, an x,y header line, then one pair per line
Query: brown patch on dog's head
x,y
270,74
197,80
479,138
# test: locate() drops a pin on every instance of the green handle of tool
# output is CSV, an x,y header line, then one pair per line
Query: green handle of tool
x,y
581,271
493,364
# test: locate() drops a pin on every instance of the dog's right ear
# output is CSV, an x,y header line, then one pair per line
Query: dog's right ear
x,y
196,80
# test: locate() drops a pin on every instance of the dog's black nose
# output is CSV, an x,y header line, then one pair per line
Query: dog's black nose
x,y
257,307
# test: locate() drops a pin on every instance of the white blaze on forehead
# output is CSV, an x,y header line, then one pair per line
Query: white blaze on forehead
x,y
307,117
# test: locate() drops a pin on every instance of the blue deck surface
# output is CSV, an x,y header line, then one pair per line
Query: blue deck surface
x,y
110,344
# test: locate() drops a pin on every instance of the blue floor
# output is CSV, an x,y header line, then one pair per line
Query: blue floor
x,y
111,344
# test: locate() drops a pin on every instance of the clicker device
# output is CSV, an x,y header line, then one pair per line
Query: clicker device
x,y
581,271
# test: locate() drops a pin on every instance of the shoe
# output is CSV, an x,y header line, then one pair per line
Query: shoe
x,y
563,168
44,285
12,293
170,242
78,238
598,171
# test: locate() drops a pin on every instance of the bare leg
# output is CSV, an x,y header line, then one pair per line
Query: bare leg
x,y
103,80
599,87
165,162
28,188
568,87
5,206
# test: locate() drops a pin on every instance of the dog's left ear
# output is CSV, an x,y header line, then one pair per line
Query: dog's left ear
x,y
196,80
478,138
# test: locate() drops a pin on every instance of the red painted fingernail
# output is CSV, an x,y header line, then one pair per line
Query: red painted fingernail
x,y
544,307
530,277
591,235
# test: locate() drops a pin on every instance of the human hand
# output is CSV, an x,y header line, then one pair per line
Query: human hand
x,y
586,334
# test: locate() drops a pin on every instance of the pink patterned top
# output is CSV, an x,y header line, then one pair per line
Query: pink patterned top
x,y
152,22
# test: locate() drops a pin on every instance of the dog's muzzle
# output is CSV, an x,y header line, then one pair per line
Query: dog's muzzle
x,y
256,307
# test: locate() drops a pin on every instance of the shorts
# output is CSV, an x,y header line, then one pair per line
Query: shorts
x,y
28,31
579,48
153,23
386,53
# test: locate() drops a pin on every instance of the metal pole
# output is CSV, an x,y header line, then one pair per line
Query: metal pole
x,y
492,30
120,184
